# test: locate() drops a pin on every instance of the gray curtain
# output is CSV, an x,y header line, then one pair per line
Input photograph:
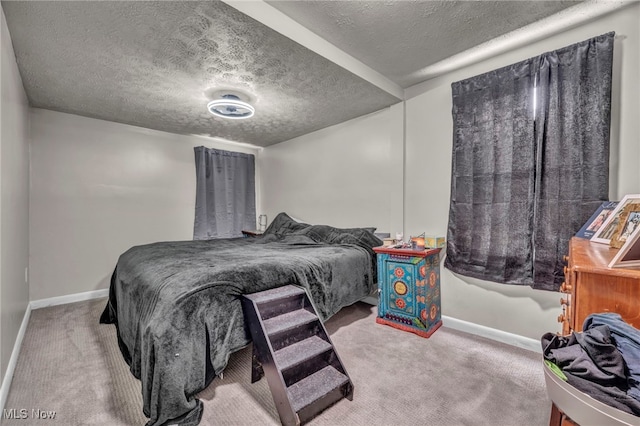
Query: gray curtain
x,y
521,184
572,136
491,213
225,193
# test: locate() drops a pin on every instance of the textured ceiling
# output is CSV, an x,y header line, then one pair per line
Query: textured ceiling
x,y
155,64
398,38
151,64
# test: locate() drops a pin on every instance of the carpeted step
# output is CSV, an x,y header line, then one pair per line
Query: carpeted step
x,y
275,294
294,351
300,352
289,321
278,301
318,391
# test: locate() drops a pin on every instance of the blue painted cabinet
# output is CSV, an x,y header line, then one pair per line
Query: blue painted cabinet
x,y
409,289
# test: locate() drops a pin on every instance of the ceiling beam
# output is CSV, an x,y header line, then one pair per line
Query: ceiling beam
x,y
278,21
554,24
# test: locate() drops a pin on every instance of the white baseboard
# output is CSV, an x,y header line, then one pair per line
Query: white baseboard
x,y
69,298
481,330
456,324
37,304
13,360
492,333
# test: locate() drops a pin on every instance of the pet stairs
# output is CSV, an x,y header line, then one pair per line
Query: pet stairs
x,y
292,348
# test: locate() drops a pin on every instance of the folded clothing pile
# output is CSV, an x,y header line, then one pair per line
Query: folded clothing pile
x,y
602,361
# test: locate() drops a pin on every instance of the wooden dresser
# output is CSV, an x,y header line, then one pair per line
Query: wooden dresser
x,y
592,287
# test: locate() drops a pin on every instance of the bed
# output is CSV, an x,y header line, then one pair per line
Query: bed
x,y
177,310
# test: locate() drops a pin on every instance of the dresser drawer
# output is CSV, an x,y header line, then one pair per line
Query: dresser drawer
x,y
592,287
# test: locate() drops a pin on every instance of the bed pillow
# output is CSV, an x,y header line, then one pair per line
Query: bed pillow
x,y
328,234
282,225
363,236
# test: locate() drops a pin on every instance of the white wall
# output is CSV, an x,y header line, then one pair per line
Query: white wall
x,y
350,174
14,199
99,188
518,310
345,175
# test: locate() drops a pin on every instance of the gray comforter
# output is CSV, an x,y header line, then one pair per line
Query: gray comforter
x,y
177,309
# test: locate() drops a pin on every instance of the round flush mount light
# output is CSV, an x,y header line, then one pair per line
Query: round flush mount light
x,y
230,106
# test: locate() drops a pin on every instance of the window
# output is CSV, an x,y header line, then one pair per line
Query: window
x,y
225,193
525,178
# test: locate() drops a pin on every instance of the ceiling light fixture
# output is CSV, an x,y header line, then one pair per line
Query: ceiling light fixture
x,y
230,106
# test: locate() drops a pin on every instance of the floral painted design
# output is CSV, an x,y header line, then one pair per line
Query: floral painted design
x,y
398,272
400,303
433,277
433,312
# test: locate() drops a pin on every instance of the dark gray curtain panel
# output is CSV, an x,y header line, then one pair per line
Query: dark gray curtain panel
x,y
225,193
572,136
523,183
491,212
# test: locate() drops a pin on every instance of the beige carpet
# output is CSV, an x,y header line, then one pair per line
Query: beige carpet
x,y
70,364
